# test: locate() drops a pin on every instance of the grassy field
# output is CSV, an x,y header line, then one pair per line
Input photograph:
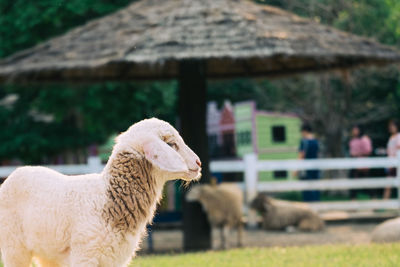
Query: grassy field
x,y
311,256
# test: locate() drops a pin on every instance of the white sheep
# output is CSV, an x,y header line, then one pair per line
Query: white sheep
x,y
280,214
388,231
223,205
94,219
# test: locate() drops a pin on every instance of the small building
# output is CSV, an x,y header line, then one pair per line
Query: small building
x,y
242,129
271,135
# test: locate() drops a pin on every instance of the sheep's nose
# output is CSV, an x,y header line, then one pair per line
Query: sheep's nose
x,y
198,162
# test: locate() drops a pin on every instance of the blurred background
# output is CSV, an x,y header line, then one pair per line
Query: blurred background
x,y
46,125
65,123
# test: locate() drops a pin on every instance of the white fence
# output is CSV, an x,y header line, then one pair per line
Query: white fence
x,y
250,166
93,165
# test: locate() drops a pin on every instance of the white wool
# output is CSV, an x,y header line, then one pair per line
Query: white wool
x,y
58,218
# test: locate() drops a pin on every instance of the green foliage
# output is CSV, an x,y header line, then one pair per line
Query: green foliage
x,y
379,19
80,116
375,18
24,23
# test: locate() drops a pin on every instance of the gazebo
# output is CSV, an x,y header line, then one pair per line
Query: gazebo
x,y
192,41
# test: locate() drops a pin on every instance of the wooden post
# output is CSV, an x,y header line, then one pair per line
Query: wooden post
x,y
251,179
192,113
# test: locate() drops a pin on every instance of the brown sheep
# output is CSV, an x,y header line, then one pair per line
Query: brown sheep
x,y
279,214
223,204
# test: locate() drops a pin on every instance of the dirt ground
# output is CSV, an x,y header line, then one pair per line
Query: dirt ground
x,y
348,233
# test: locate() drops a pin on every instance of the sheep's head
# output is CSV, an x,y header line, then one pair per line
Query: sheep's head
x,y
261,203
162,145
194,193
199,191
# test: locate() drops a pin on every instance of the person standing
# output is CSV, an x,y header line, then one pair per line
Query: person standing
x,y
309,149
360,145
393,146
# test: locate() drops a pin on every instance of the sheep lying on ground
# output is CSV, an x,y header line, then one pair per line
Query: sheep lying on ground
x,y
388,231
279,214
94,219
224,207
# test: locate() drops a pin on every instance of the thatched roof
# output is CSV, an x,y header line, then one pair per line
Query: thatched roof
x,y
235,37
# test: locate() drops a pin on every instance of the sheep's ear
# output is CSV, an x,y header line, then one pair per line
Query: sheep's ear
x,y
163,156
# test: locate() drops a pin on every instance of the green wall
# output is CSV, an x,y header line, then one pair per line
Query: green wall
x,y
243,129
268,149
264,124
264,144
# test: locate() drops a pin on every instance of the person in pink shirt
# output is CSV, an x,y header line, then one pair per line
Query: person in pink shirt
x,y
360,145
393,146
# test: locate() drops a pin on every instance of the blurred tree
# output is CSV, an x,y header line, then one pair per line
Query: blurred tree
x,y
90,113
46,121
26,23
374,18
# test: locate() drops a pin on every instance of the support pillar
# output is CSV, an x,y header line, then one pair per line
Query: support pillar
x,y
192,112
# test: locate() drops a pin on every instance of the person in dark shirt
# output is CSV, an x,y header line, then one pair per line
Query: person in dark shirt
x,y
309,149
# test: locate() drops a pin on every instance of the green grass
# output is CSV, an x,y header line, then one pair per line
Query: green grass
x,y
310,256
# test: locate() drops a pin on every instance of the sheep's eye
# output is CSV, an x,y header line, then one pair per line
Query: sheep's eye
x,y
173,145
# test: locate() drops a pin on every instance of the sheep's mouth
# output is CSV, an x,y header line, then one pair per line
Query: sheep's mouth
x,y
194,174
